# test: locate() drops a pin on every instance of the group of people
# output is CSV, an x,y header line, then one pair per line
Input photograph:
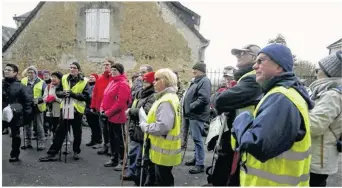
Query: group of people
x,y
276,134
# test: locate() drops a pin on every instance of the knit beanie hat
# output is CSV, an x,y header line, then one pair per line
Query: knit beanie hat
x,y
149,77
33,68
332,64
96,76
281,55
201,66
77,65
58,74
14,67
119,67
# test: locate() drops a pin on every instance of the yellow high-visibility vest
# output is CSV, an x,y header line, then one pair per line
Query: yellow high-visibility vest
x,y
77,89
37,92
239,111
166,150
291,168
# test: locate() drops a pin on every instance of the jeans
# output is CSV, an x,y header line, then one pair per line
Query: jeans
x,y
38,122
104,129
196,128
134,157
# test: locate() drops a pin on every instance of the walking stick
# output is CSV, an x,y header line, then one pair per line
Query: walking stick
x,y
125,139
186,146
66,137
35,118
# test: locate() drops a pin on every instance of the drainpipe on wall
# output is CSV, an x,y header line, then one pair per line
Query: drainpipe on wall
x,y
202,50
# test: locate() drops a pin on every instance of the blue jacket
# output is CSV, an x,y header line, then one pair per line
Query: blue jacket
x,y
278,124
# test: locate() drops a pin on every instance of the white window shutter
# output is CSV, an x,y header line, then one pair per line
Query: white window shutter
x,y
91,25
104,26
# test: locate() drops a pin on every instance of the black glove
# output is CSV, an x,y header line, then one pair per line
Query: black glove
x,y
73,95
40,101
103,116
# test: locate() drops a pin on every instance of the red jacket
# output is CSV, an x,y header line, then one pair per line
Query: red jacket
x,y
100,86
116,98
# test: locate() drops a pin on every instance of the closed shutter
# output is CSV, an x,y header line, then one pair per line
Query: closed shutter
x,y
91,25
103,29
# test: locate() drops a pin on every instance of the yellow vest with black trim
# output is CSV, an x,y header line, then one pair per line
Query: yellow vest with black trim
x,y
291,168
77,89
37,92
239,111
166,150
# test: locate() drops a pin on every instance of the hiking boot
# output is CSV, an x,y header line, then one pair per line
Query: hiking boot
x,y
27,147
40,146
119,167
103,151
91,143
5,131
196,169
48,158
75,156
192,162
111,163
14,159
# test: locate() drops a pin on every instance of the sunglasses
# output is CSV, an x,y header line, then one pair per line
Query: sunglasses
x,y
261,60
242,53
157,79
317,70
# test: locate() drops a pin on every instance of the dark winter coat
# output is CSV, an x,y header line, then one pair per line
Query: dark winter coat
x,y
145,99
197,99
13,91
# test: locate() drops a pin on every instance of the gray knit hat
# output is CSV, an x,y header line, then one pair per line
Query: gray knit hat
x,y
33,68
332,64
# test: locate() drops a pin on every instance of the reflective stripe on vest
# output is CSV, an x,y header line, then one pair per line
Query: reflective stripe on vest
x,y
77,89
281,179
166,150
239,111
37,92
291,168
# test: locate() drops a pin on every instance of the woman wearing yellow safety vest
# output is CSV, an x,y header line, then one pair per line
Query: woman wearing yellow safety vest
x,y
275,142
163,127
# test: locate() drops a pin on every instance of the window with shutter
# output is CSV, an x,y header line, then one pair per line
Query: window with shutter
x,y
104,23
91,25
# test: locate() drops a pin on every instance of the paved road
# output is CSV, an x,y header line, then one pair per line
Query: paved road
x,y
88,171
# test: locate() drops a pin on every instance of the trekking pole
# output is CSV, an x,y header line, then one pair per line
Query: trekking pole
x,y
63,114
66,137
186,146
142,164
37,132
125,139
24,135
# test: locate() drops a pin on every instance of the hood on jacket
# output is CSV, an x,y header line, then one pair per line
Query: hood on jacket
x,y
287,80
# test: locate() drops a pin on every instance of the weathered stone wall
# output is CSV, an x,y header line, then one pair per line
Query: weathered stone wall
x,y
51,40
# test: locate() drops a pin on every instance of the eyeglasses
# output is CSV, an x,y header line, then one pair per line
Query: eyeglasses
x,y
242,53
8,70
261,60
73,68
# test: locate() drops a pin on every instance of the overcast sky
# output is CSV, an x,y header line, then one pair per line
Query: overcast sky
x,y
308,27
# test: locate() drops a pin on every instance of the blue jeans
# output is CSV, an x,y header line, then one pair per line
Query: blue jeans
x,y
134,157
196,128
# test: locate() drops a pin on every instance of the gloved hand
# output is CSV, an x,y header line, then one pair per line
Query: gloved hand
x,y
103,116
40,101
66,93
73,95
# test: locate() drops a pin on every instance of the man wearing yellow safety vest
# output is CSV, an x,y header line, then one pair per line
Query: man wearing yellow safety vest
x,y
37,87
73,86
163,127
274,142
243,96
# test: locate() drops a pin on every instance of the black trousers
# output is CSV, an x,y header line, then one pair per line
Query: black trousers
x,y
104,129
16,140
223,165
94,124
53,123
115,132
318,180
164,175
62,131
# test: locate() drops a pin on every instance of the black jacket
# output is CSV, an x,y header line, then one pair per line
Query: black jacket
x,y
84,96
13,91
145,99
245,93
197,99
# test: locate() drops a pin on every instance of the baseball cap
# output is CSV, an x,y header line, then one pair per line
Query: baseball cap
x,y
252,48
